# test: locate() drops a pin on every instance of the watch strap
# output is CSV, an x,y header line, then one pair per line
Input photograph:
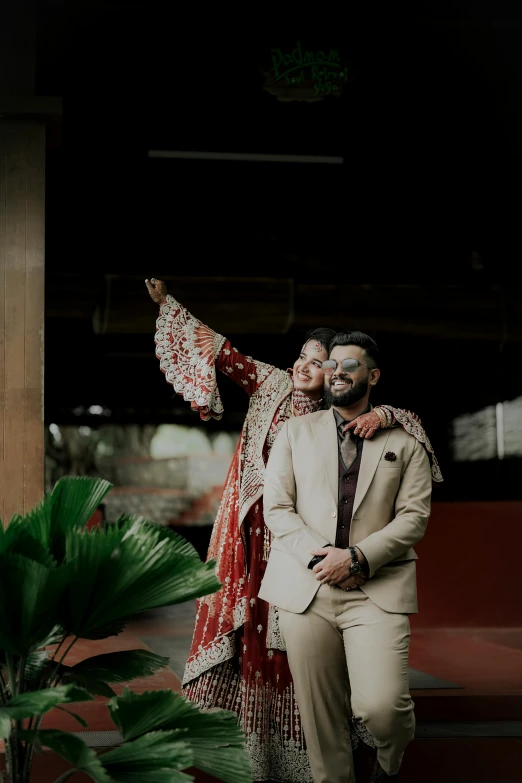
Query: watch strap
x,y
355,566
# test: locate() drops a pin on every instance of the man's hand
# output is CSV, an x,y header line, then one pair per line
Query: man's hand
x,y
335,568
353,581
157,290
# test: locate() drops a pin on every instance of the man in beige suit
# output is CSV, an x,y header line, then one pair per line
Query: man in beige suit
x,y
345,513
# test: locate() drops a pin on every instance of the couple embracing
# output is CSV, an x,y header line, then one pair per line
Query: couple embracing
x,y
307,641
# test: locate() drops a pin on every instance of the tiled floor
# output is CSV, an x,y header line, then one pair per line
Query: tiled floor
x,y
175,645
465,678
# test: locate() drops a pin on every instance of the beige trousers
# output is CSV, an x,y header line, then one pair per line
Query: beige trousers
x,y
344,649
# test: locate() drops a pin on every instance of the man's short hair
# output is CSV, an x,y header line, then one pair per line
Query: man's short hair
x,y
361,340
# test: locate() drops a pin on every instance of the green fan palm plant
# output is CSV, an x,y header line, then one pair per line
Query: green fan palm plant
x,y
59,583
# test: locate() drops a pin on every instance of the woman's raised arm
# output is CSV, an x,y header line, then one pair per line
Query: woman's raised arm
x,y
190,352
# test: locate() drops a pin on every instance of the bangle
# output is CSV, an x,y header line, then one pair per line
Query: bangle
x,y
382,417
390,418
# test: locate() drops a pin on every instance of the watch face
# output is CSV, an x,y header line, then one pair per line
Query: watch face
x,y
355,569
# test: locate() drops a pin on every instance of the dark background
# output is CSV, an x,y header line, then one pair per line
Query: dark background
x,y
431,135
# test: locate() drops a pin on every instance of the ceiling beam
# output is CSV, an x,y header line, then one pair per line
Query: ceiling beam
x,y
244,305
252,157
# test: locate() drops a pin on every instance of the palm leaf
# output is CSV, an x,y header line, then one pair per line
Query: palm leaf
x,y
131,524
127,774
136,714
166,532
29,535
89,557
118,666
35,666
115,572
155,757
154,775
217,741
54,636
112,628
38,703
29,593
74,501
18,540
215,737
37,522
71,748
91,685
76,717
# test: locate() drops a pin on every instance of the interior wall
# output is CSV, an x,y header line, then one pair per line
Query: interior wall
x,y
468,572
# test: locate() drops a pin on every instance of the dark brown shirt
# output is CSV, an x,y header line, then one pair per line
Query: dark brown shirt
x,y
348,477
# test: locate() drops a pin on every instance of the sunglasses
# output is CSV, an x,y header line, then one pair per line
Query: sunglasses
x,y
347,365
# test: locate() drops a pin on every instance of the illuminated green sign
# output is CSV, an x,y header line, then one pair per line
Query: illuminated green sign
x,y
306,74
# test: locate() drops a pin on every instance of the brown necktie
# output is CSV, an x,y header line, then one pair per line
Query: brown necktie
x,y
348,449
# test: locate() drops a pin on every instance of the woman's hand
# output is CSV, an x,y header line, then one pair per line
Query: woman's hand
x,y
157,290
365,426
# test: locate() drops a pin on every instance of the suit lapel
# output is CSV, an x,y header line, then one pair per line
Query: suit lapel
x,y
325,433
371,455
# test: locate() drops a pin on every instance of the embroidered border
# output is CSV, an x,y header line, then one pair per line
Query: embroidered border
x,y
187,349
270,719
217,653
274,640
412,424
263,405
243,487
218,343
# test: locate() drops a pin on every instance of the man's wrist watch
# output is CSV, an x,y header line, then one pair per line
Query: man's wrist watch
x,y
355,566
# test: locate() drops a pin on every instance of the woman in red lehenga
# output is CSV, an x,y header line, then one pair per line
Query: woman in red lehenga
x,y
237,660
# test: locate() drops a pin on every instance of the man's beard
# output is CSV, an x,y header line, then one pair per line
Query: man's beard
x,y
348,398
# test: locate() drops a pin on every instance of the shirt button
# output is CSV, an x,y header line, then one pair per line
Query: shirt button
x,y
347,478
343,526
334,514
345,501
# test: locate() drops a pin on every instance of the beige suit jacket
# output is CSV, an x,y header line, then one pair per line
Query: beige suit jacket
x,y
390,513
